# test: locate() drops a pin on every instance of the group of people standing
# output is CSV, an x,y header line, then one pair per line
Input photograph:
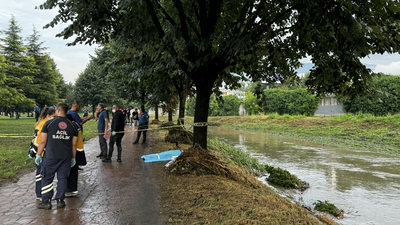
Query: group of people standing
x,y
57,146
120,116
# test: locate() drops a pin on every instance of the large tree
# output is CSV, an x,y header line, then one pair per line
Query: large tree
x,y
265,39
47,76
19,69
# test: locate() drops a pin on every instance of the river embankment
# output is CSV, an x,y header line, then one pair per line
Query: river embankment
x,y
197,198
362,131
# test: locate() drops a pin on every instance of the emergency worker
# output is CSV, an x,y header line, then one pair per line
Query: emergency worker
x,y
72,181
47,114
59,136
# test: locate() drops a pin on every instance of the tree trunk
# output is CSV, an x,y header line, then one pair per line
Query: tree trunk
x,y
182,102
201,114
170,115
143,95
156,111
17,112
93,110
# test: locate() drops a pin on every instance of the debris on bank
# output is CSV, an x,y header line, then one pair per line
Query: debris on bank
x,y
197,160
179,135
155,121
326,206
285,179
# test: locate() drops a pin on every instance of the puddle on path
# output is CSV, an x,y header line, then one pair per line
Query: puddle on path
x,y
364,184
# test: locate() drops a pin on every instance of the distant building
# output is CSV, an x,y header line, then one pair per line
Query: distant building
x,y
329,106
240,94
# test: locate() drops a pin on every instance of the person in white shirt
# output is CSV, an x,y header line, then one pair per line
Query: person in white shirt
x,y
130,113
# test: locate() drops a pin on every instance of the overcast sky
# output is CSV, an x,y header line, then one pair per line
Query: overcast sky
x,y
73,60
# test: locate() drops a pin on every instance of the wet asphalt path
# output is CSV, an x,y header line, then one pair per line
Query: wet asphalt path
x,y
109,193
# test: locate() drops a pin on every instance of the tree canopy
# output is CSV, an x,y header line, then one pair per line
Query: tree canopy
x,y
28,74
262,39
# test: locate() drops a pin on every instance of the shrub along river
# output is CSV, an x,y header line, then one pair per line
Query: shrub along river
x,y
366,185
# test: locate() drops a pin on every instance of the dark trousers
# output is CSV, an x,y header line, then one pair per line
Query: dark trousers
x,y
36,116
38,180
49,168
142,127
72,180
103,143
115,139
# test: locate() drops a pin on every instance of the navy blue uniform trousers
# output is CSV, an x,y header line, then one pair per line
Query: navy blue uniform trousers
x,y
49,168
38,181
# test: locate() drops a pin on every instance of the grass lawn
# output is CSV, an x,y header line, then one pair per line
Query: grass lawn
x,y
14,151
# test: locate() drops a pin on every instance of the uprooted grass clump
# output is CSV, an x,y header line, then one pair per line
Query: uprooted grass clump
x,y
155,121
326,206
284,178
236,156
197,160
180,135
243,159
167,124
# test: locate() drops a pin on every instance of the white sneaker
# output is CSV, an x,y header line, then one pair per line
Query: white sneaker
x,y
71,194
39,198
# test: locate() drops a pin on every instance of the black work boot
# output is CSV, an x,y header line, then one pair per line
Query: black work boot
x,y
107,160
60,203
44,205
98,156
119,160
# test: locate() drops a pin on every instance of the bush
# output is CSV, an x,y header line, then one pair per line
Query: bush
x,y
389,104
291,102
251,104
229,106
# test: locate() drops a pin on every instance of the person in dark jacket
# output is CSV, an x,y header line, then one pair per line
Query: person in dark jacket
x,y
143,126
117,132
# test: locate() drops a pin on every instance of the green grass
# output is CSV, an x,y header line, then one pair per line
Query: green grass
x,y
361,131
326,206
236,156
14,151
283,177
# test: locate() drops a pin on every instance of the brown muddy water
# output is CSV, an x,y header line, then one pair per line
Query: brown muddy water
x,y
366,185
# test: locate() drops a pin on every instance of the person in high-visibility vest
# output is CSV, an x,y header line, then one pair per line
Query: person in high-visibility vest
x,y
47,114
72,180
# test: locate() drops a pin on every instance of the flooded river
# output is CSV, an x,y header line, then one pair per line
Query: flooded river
x,y
365,185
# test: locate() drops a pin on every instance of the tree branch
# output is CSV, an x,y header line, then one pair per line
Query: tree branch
x,y
214,13
167,16
268,25
155,20
182,18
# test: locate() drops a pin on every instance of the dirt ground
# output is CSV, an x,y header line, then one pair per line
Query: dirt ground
x,y
211,199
